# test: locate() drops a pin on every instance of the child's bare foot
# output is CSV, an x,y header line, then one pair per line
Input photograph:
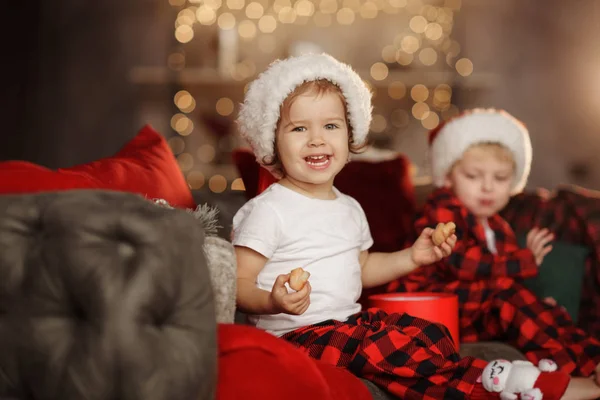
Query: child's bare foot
x,y
582,389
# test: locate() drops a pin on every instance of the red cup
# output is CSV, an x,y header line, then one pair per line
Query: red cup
x,y
435,307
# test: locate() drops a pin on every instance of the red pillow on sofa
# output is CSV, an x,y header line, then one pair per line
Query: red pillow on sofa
x,y
386,193
145,165
257,365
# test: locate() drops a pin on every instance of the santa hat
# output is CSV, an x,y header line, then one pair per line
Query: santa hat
x,y
451,139
260,111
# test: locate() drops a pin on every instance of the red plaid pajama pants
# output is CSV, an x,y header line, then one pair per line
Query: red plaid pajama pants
x,y
409,357
502,309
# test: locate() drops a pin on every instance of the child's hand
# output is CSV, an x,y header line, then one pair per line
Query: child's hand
x,y
551,301
425,252
537,240
295,303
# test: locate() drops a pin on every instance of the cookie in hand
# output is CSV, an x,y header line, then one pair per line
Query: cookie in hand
x,y
442,232
298,278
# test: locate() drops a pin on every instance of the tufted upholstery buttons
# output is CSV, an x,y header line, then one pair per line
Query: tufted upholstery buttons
x,y
125,250
103,296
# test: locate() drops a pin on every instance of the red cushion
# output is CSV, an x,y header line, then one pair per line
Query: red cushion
x,y
254,364
386,193
248,169
145,166
343,385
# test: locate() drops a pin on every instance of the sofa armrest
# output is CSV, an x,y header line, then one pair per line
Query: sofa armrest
x,y
103,292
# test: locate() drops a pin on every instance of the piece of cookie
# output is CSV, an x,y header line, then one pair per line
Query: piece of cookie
x,y
298,278
442,232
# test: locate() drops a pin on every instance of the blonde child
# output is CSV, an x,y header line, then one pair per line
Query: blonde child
x,y
479,160
302,117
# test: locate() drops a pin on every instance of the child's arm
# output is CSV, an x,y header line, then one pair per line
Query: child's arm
x,y
381,268
471,261
252,300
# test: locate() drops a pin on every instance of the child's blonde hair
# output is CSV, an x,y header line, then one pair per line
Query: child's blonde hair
x,y
497,150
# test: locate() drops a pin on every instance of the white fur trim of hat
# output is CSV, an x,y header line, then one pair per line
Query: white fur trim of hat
x,y
451,140
259,113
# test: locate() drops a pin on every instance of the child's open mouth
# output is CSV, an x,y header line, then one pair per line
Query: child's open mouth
x,y
318,162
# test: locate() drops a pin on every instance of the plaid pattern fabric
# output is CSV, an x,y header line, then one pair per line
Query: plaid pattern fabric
x,y
502,309
471,260
495,306
573,214
409,357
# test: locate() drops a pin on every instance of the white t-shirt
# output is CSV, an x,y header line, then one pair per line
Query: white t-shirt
x,y
324,237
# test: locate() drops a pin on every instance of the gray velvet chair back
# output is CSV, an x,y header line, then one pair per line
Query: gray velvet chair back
x,y
103,296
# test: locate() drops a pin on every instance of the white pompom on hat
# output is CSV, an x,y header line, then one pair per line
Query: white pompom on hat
x,y
259,112
450,140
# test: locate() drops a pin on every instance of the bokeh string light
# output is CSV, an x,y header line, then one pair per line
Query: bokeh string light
x,y
424,43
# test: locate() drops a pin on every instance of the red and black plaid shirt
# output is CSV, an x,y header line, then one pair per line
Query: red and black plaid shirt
x,y
471,258
493,305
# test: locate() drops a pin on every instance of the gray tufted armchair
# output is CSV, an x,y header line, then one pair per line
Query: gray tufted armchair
x,y
105,296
